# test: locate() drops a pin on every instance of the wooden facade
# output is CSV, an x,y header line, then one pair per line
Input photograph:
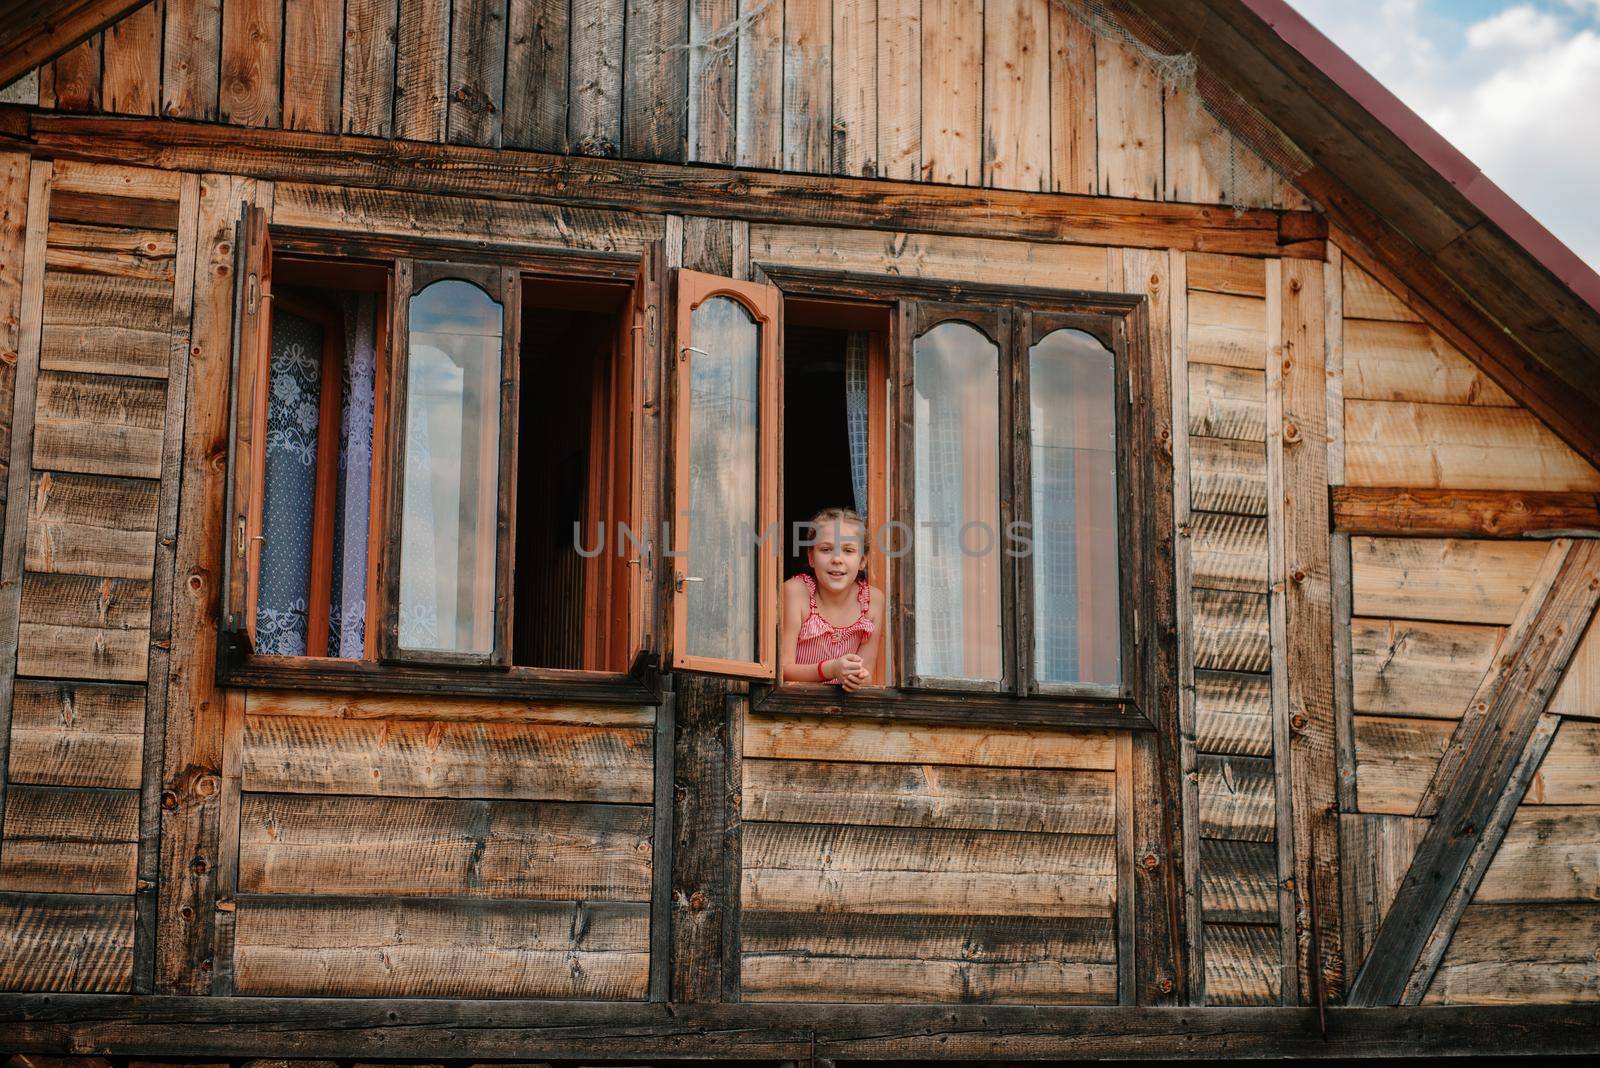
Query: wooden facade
x,y
1356,796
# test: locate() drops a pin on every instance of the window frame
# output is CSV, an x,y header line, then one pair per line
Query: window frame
x,y
1145,487
238,665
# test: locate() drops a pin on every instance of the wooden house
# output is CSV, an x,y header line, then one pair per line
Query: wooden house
x,y
324,324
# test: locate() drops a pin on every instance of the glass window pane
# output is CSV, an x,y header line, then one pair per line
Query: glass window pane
x,y
958,540
724,399
448,533
1076,617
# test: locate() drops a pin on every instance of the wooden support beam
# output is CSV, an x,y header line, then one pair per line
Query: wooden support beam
x,y
754,196
33,32
701,846
521,1030
1482,762
1430,513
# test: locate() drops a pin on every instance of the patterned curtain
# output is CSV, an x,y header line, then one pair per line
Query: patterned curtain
x,y
295,386
855,409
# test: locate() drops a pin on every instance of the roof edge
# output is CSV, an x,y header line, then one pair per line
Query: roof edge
x,y
1431,147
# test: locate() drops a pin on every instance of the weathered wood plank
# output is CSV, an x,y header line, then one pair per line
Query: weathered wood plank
x,y
99,209
594,79
1227,402
1457,446
88,525
115,180
61,839
1462,513
367,100
1188,173
899,103
700,958
1230,631
807,88
1233,714
66,942
807,738
99,424
85,627
952,91
97,300
1520,954
1129,124
422,69
112,250
1230,552
416,759
131,62
1408,668
1238,798
355,706
655,80
1454,581
251,80
1016,92
1579,692
795,956
342,845
1227,329
1490,745
191,47
482,222
1550,853
463,949
854,77
713,81
1242,965
72,82
14,169
1375,852
969,259
1228,476
801,867
1239,275
1408,362
924,795
313,63
1367,298
1073,149
76,734
1395,758
536,75
1239,881
657,187
475,107
189,839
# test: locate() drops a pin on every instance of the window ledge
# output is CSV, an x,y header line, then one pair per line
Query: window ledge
x,y
640,686
967,709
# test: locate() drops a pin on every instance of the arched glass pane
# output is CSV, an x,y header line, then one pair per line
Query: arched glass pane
x,y
958,540
724,401
448,532
1077,633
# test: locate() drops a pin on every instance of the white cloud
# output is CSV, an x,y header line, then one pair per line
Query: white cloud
x,y
1517,91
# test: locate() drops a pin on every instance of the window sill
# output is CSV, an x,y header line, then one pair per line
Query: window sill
x,y
966,709
640,686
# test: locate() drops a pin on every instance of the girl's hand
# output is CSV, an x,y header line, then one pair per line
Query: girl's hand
x,y
856,680
852,671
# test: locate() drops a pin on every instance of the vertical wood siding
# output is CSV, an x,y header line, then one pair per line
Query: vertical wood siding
x,y
1009,94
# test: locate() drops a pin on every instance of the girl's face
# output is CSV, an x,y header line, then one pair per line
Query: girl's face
x,y
836,558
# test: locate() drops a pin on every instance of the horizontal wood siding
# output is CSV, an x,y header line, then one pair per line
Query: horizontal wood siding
x,y
885,862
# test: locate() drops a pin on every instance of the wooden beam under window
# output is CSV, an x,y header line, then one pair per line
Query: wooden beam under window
x,y
1383,511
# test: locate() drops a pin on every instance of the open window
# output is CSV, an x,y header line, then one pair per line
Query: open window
x,y
724,530
439,465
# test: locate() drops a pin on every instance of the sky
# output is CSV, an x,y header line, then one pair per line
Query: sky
x,y
1514,84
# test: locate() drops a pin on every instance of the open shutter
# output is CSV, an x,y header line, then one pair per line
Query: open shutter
x,y
726,539
252,338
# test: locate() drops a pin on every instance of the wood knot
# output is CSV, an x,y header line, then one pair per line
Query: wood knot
x,y
1299,721
198,865
1149,862
1298,575
169,800
697,900
206,785
1165,985
1291,433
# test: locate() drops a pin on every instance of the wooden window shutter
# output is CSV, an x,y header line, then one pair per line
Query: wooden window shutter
x,y
725,532
252,357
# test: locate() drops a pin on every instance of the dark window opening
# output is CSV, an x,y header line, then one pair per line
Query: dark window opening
x,y
573,467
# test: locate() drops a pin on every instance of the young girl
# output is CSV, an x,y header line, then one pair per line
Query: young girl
x,y
832,617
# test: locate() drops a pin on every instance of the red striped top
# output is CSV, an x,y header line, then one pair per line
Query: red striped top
x,y
820,640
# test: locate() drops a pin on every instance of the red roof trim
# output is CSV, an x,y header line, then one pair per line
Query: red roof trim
x,y
1431,147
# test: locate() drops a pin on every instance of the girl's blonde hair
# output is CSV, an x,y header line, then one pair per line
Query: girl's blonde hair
x,y
843,515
